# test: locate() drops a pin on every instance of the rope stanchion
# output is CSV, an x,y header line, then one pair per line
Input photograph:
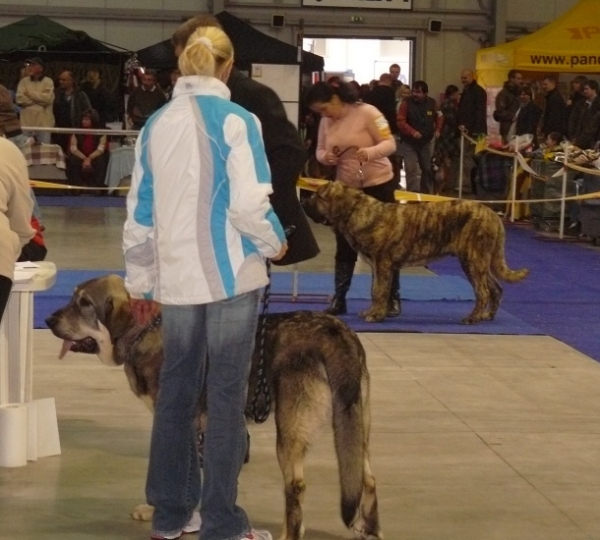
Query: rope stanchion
x,y
83,131
563,203
312,184
42,184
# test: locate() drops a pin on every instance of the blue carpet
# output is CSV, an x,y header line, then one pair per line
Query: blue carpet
x,y
430,317
421,288
560,296
433,304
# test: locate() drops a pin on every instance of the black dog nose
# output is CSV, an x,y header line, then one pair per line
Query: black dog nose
x,y
51,321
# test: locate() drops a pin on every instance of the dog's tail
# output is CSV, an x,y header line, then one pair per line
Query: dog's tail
x,y
499,267
349,428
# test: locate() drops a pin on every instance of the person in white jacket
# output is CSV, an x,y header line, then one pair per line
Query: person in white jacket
x,y
16,206
199,228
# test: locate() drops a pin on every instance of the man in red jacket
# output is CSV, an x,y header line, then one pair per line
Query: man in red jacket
x,y
419,122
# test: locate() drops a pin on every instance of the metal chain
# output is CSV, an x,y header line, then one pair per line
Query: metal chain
x,y
260,412
156,322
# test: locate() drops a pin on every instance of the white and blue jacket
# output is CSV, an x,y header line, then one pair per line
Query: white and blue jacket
x,y
199,221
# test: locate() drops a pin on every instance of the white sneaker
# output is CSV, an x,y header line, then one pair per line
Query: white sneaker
x,y
193,526
259,535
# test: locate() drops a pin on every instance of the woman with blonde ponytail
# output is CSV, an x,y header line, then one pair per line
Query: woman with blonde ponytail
x,y
199,228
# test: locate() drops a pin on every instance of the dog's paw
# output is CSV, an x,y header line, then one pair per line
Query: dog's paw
x,y
143,512
361,533
471,320
284,535
373,315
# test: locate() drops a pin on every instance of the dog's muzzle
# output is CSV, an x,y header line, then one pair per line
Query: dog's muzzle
x,y
310,209
87,345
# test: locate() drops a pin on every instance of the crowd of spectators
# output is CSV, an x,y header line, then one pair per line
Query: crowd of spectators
x,y
428,131
38,101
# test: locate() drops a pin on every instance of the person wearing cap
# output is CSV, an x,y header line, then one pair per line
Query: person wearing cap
x,y
35,96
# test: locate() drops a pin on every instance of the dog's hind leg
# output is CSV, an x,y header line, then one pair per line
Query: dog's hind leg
x,y
477,271
299,416
366,525
495,296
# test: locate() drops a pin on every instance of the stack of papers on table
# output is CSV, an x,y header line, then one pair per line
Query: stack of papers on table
x,y
25,271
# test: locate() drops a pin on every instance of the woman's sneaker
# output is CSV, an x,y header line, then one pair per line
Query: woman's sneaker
x,y
193,526
258,535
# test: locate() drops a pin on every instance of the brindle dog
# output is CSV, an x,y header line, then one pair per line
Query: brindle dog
x,y
310,380
393,236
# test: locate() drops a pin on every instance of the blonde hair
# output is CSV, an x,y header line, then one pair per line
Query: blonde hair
x,y
208,52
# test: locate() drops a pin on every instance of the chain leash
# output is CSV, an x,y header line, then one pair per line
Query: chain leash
x,y
260,406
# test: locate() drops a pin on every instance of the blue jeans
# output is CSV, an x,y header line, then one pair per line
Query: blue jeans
x,y
224,332
418,158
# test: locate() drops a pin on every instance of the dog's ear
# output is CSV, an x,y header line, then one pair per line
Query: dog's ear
x,y
117,315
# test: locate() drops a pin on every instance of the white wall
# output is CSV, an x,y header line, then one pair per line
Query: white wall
x,y
439,58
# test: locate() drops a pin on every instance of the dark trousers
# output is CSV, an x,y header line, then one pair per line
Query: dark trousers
x,y
5,287
95,177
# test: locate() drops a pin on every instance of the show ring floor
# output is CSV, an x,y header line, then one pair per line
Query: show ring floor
x,y
473,438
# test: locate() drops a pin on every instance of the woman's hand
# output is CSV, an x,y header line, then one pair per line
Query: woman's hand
x,y
87,163
331,158
362,155
282,252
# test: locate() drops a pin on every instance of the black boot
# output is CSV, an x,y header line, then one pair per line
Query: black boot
x,y
343,279
337,306
394,308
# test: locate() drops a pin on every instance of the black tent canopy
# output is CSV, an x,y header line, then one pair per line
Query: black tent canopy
x,y
251,47
43,37
60,48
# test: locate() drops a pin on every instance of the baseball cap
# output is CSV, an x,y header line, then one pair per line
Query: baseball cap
x,y
35,60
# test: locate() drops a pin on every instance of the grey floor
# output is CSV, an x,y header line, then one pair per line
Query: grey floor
x,y
473,437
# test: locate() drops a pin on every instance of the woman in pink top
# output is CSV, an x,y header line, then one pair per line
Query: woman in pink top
x,y
356,138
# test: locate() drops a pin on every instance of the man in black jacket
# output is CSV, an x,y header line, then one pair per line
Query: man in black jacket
x,y
471,117
285,152
69,105
555,112
507,102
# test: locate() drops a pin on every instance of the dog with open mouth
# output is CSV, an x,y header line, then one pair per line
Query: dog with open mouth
x,y
310,381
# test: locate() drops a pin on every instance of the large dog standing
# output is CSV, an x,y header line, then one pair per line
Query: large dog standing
x,y
315,366
393,236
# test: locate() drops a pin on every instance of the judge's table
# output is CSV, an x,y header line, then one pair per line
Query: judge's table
x,y
28,427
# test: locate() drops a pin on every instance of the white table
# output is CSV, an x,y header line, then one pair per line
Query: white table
x,y
120,165
16,363
16,337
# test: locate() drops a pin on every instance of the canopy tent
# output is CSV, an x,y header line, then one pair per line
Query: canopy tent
x,y
59,47
570,44
251,47
50,40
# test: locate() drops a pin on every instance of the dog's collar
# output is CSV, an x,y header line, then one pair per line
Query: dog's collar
x,y
156,323
142,332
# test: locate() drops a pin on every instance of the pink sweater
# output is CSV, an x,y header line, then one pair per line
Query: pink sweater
x,y
360,126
